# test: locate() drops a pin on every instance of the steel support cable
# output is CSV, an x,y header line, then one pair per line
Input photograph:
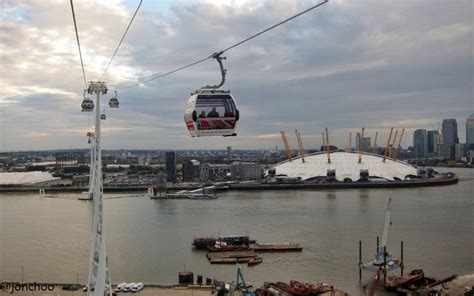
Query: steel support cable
x,y
167,73
276,25
123,37
228,48
78,43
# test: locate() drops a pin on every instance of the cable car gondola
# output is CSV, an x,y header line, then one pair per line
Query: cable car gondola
x,y
87,104
114,102
211,111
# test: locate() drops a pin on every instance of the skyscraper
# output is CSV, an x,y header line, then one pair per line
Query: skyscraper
x,y
228,154
420,142
170,166
433,141
470,129
450,132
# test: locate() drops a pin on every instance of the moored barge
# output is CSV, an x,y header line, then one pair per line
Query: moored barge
x,y
277,247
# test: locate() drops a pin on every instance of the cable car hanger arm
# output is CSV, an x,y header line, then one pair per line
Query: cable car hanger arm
x,y
217,56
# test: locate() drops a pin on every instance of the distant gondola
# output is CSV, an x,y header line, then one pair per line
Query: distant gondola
x,y
114,102
87,104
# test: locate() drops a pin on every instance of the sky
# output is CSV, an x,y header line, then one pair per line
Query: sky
x,y
343,66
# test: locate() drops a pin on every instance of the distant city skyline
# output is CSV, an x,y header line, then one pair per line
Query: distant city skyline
x,y
345,65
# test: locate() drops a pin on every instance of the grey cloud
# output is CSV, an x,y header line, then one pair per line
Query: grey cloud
x,y
345,65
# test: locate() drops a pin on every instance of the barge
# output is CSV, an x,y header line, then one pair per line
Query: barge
x,y
277,247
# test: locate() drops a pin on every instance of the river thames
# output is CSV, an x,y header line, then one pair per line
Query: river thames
x,y
150,240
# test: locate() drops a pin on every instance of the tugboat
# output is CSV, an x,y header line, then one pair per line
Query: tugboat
x,y
393,282
205,242
221,246
255,261
301,289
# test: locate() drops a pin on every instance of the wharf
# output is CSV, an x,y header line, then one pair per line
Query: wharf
x,y
345,185
256,186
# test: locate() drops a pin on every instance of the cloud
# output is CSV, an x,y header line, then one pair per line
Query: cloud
x,y
344,65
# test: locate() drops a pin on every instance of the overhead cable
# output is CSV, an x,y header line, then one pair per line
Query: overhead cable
x,y
123,37
78,43
226,49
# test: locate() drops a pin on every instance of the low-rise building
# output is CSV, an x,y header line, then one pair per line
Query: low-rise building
x,y
245,171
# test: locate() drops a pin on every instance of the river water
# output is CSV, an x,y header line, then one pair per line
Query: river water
x,y
150,240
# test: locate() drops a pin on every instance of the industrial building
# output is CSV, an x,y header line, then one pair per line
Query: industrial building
x,y
246,171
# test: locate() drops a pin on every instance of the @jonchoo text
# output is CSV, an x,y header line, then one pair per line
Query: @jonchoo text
x,y
12,287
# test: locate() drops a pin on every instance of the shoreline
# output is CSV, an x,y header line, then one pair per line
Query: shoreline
x,y
257,186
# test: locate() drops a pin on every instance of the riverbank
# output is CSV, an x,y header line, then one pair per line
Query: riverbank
x,y
257,186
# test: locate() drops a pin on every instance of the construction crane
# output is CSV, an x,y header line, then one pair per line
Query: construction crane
x,y
289,154
300,144
383,262
381,257
242,285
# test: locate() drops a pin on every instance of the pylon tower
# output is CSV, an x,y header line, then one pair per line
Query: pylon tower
x,y
99,283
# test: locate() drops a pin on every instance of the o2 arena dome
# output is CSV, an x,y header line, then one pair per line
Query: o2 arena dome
x,y
345,167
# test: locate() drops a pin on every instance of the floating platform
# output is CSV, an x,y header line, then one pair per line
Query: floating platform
x,y
278,247
233,254
234,257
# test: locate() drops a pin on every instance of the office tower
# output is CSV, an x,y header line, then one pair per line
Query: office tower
x,y
171,166
434,139
450,132
470,129
420,143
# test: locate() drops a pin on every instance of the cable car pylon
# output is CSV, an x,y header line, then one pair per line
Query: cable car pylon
x,y
98,283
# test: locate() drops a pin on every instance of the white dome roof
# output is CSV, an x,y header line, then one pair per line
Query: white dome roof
x,y
346,165
26,178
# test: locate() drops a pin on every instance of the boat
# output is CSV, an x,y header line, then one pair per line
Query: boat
x,y
274,247
221,246
255,261
200,193
393,282
205,242
190,195
424,283
303,289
